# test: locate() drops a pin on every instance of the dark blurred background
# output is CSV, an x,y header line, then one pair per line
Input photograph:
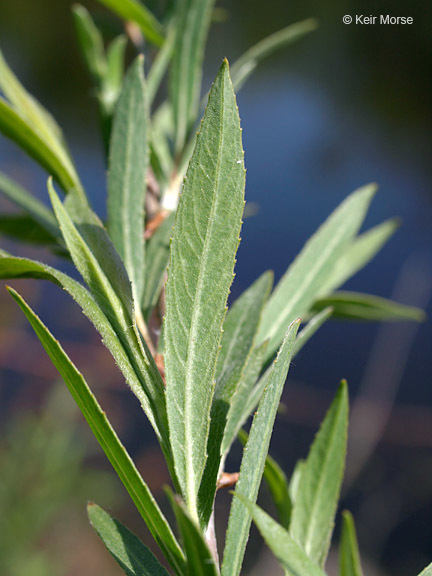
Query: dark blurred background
x,y
347,105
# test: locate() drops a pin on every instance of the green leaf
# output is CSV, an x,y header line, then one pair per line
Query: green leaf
x,y
91,43
246,396
192,25
239,331
27,106
317,496
199,560
254,456
129,552
30,126
358,306
349,557
13,126
113,80
311,327
161,155
277,484
246,64
107,438
295,479
135,11
203,248
96,260
127,175
360,252
427,571
106,70
141,377
157,256
302,283
160,63
36,209
23,227
287,551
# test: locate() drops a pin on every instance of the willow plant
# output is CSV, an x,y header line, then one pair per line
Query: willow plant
x,y
156,279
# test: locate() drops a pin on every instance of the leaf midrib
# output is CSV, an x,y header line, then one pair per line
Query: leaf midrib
x,y
189,436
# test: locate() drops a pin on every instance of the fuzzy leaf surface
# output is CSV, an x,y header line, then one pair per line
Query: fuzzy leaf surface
x,y
314,509
127,549
290,555
203,248
349,557
254,457
302,282
127,175
107,438
427,571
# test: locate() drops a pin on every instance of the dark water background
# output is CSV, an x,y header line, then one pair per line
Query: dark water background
x,y
346,106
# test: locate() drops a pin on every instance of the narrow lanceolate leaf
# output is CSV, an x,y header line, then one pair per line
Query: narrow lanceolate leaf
x,y
129,552
316,501
135,11
15,127
32,127
25,228
311,327
277,484
96,259
240,327
290,555
34,207
358,306
295,479
127,175
160,63
157,256
427,571
103,271
254,457
203,248
246,64
244,401
349,557
192,24
91,43
123,353
199,560
302,282
360,252
108,439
